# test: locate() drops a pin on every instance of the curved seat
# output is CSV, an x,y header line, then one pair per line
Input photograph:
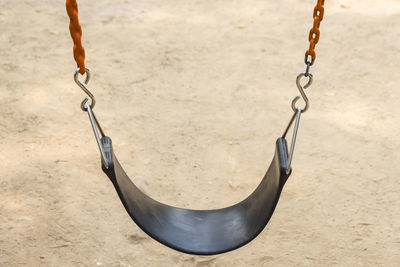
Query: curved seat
x,y
201,232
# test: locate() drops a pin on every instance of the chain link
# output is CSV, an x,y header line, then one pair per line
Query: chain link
x,y
76,34
313,36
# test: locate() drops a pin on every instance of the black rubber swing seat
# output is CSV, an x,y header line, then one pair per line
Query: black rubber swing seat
x,y
201,232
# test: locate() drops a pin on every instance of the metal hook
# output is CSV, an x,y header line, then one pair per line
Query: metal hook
x,y
83,87
302,93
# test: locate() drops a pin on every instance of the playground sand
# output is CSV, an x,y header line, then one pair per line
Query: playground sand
x,y
194,95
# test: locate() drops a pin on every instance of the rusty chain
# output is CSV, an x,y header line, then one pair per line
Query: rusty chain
x,y
76,34
313,36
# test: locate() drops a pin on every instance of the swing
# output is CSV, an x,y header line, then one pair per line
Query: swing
x,y
200,232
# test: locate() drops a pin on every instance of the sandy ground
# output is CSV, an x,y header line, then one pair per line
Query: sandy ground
x,y
194,95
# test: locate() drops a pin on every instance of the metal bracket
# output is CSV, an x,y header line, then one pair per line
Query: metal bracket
x,y
96,129
296,116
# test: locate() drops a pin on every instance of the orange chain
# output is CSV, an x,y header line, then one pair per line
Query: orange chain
x,y
313,37
76,34
79,52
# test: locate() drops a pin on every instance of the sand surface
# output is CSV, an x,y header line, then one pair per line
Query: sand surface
x,y
194,95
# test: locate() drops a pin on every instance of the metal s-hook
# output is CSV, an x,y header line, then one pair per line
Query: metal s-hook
x,y
89,109
83,87
297,112
302,93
